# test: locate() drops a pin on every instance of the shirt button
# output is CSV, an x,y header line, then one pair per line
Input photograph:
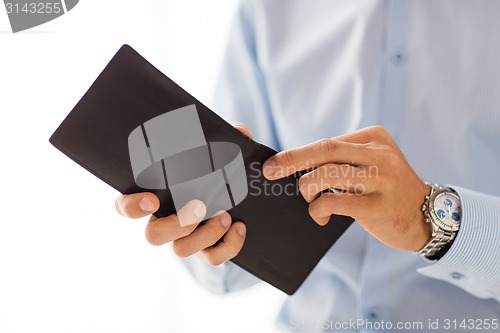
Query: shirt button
x,y
373,314
457,276
399,57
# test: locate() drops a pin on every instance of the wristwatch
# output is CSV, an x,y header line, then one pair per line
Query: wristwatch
x,y
441,208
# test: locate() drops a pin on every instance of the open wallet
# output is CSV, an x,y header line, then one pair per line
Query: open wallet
x,y
128,130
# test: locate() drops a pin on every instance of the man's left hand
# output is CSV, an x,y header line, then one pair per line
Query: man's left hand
x,y
377,185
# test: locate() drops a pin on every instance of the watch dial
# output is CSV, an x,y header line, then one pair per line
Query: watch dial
x,y
448,209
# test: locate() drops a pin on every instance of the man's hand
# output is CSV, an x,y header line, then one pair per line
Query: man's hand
x,y
191,239
379,188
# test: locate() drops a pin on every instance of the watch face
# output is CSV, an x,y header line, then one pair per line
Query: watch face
x,y
447,209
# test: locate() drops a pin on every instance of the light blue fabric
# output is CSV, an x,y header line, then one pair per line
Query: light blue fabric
x,y
429,71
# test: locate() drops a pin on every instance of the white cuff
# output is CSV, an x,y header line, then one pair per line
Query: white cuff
x,y
473,261
221,279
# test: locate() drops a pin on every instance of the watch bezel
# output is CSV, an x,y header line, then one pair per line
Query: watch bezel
x,y
435,218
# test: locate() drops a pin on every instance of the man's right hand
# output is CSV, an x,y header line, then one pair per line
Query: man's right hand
x,y
190,239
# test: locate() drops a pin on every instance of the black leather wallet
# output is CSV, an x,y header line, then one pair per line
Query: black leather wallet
x,y
283,244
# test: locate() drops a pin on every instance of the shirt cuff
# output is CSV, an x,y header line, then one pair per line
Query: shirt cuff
x,y
221,279
472,262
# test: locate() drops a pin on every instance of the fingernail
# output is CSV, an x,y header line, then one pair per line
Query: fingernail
x,y
241,230
269,168
225,220
199,210
146,204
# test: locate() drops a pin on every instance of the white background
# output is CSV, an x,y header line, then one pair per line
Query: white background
x,y
68,262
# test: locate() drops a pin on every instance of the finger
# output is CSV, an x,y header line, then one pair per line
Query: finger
x,y
341,177
340,204
320,152
229,247
242,128
375,133
137,205
167,229
204,236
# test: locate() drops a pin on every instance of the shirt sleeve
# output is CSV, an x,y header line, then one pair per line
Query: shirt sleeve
x,y
221,279
240,96
473,261
241,92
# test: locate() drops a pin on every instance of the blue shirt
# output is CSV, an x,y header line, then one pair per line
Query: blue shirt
x,y
429,71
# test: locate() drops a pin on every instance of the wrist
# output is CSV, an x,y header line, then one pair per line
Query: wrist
x,y
423,231
442,211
